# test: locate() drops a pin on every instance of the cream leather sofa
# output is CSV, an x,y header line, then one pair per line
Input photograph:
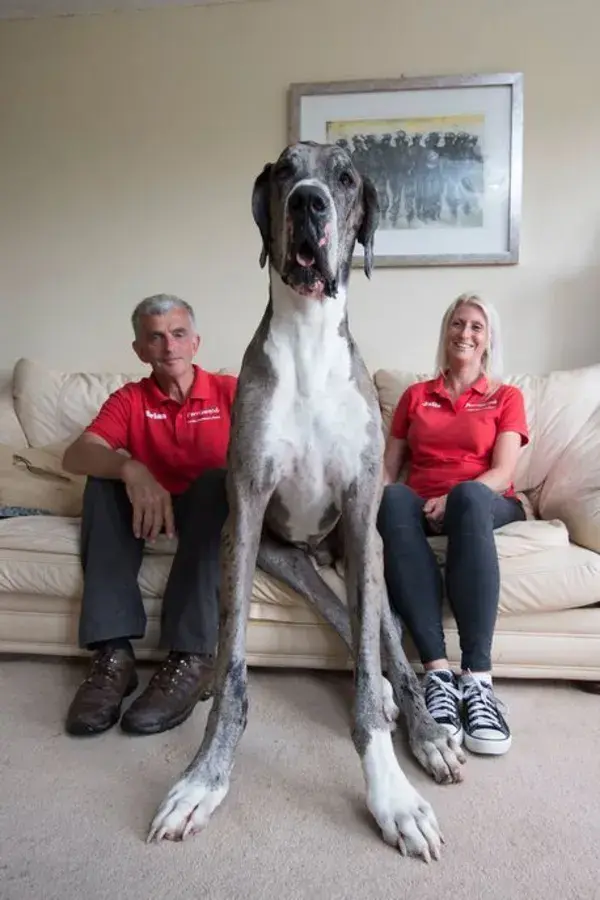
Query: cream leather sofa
x,y
549,620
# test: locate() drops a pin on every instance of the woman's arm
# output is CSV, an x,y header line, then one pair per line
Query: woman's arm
x,y
396,445
504,462
393,459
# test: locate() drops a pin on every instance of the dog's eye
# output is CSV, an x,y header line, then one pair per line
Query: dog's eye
x,y
284,171
346,179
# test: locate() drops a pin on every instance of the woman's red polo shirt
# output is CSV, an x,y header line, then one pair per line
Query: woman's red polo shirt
x,y
453,441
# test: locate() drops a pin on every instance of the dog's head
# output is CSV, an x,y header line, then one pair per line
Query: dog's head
x,y
311,206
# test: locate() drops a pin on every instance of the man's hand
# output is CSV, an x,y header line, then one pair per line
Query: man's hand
x,y
152,507
434,510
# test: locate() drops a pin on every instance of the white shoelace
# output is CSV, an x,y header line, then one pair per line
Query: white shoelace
x,y
482,706
441,697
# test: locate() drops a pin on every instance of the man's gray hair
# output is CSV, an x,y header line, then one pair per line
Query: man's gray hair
x,y
158,305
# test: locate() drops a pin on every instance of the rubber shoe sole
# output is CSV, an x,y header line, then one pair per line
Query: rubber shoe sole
x,y
157,727
488,746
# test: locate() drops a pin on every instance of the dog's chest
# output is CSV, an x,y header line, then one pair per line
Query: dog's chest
x,y
316,430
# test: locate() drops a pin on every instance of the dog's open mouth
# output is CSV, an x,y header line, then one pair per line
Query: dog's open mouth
x,y
305,256
307,270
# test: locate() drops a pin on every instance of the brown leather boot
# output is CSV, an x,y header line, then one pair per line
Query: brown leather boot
x,y
96,706
172,693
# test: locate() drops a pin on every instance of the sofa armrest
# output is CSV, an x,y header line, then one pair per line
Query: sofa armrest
x,y
571,489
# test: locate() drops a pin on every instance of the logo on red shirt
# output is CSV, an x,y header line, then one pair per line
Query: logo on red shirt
x,y
204,415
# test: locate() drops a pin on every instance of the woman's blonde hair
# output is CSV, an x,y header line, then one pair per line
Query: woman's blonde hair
x,y
491,361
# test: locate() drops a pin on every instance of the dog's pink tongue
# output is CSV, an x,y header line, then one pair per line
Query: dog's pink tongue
x,y
305,260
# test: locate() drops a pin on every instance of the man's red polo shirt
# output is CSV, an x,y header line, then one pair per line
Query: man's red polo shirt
x,y
451,442
175,441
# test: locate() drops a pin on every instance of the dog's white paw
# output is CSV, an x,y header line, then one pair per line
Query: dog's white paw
x,y
390,710
441,755
406,820
185,810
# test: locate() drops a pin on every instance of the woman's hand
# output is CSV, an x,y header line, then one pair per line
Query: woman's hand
x,y
434,510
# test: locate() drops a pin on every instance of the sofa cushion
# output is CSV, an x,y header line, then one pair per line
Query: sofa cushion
x,y
33,480
10,427
540,569
39,557
558,407
56,406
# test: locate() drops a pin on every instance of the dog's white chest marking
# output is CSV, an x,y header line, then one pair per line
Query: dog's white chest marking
x,y
317,419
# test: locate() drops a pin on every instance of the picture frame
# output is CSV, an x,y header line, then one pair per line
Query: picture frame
x,y
445,155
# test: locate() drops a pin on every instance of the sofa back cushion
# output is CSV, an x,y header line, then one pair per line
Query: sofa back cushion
x,y
558,407
11,432
54,406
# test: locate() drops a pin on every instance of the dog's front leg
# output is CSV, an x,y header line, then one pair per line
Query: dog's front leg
x,y
439,753
204,784
406,820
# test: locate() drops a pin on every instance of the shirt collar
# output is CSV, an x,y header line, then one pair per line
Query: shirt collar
x,y
200,389
437,386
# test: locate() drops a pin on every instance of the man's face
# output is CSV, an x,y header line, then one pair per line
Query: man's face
x,y
168,343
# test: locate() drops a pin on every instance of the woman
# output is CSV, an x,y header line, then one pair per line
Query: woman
x,y
459,437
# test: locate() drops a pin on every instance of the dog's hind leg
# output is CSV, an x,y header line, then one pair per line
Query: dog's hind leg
x,y
293,567
205,782
439,753
406,820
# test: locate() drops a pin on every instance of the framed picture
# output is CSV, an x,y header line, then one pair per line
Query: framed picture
x,y
444,153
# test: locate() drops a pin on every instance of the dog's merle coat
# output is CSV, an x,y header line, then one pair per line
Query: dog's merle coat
x,y
305,467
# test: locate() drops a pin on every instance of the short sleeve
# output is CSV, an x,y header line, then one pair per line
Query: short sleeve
x,y
231,388
513,416
400,419
113,420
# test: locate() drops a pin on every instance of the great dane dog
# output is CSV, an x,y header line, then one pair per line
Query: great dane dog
x,y
305,464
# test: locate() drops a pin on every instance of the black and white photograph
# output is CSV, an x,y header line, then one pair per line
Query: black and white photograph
x,y
444,154
428,173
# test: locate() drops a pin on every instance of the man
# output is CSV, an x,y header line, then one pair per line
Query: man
x,y
155,457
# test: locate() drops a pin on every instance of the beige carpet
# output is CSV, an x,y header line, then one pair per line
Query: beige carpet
x,y
74,813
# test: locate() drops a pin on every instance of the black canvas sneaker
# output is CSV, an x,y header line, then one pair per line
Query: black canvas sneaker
x,y
485,727
442,698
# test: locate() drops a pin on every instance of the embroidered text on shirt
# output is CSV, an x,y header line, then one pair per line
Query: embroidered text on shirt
x,y
487,404
209,414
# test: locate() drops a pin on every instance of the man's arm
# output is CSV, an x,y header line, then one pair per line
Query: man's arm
x,y
98,451
92,455
151,503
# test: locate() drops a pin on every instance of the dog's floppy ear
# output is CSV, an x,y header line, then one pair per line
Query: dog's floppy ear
x,y
370,222
260,211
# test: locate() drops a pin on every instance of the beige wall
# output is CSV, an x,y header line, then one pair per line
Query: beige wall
x,y
129,144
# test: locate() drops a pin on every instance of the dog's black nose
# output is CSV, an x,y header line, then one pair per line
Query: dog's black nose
x,y
308,198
